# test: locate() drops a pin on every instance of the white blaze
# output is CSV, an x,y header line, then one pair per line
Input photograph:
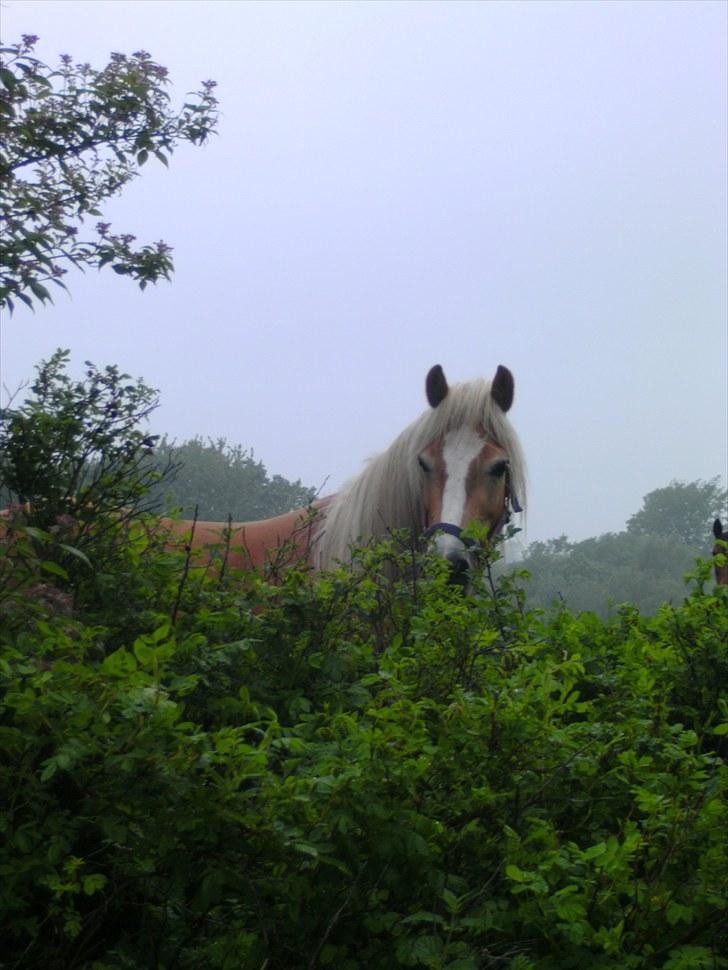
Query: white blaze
x,y
458,451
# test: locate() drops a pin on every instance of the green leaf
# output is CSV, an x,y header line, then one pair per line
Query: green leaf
x,y
92,883
594,851
305,848
428,948
119,663
54,569
78,553
35,533
144,653
8,78
161,632
40,291
423,916
516,874
451,901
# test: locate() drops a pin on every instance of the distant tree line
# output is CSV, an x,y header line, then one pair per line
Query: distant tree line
x,y
223,480
644,565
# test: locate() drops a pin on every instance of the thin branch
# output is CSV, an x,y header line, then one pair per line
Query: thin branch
x,y
335,918
186,570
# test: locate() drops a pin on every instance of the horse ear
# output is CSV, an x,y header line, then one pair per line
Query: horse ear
x,y
501,390
436,386
718,529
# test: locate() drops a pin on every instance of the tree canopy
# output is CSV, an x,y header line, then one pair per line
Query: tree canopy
x,y
221,480
72,136
680,510
83,443
643,565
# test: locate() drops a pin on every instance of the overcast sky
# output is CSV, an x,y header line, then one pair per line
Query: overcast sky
x,y
395,185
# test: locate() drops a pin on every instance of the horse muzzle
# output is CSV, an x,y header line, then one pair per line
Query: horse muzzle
x,y
448,541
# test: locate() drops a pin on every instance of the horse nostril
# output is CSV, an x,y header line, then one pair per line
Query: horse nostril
x,y
459,567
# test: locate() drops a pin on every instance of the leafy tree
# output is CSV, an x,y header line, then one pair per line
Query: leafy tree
x,y
643,565
71,137
683,510
76,472
223,480
78,444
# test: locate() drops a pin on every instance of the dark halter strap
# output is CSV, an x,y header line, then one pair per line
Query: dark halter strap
x,y
511,505
451,530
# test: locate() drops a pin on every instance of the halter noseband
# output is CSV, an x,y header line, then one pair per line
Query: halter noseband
x,y
511,505
451,530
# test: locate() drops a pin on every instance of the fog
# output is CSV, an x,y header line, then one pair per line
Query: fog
x,y
394,185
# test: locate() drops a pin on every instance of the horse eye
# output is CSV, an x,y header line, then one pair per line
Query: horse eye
x,y
423,464
499,469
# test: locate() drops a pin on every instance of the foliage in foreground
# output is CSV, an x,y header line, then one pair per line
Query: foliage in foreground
x,y
355,772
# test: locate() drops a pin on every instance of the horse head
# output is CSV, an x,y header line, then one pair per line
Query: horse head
x,y
467,472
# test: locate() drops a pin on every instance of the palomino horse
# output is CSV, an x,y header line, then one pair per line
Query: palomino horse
x,y
721,572
459,462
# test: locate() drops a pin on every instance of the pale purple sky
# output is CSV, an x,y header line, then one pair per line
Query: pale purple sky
x,y
394,185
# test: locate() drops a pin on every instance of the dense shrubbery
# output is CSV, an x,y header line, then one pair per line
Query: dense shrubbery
x,y
358,772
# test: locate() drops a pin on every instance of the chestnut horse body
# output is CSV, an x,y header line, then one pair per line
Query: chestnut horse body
x,y
459,462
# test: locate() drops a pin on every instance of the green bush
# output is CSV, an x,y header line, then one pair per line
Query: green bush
x,y
356,771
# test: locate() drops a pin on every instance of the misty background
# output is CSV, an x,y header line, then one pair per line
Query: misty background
x,y
394,185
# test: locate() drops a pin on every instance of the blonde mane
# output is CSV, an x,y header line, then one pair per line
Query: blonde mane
x,y
387,494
